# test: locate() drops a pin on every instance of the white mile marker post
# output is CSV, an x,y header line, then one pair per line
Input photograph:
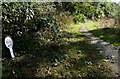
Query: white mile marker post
x,y
9,45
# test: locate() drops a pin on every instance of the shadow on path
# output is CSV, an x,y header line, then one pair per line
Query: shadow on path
x,y
104,48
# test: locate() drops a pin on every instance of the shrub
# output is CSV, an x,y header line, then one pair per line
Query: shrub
x,y
22,21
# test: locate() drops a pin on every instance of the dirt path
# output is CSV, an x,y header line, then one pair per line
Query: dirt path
x,y
105,48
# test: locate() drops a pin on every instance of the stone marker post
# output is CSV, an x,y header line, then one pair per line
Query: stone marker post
x,y
9,44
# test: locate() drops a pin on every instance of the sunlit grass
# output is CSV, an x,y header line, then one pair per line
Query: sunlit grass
x,y
94,26
75,28
109,35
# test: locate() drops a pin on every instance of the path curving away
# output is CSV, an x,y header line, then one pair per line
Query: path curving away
x,y
105,48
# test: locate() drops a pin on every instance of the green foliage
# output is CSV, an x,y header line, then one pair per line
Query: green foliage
x,y
22,21
14,16
80,17
25,21
90,10
36,33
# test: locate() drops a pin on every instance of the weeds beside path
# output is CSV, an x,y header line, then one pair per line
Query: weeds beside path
x,y
74,57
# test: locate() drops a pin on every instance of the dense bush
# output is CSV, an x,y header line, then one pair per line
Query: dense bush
x,y
22,21
32,25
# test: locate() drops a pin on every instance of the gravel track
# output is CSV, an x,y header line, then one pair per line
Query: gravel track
x,y
105,48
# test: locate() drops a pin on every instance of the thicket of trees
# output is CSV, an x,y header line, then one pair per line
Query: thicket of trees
x,y
91,10
24,21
